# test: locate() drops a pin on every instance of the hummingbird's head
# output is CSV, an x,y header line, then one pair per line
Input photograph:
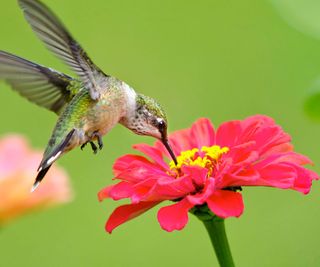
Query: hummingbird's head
x,y
148,118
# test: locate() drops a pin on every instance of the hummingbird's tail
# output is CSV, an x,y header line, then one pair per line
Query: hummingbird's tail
x,y
39,178
50,156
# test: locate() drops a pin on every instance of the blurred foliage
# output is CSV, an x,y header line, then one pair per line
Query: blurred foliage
x,y
300,14
312,102
220,59
304,16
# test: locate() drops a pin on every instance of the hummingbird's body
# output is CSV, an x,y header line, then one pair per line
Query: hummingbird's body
x,y
88,107
89,118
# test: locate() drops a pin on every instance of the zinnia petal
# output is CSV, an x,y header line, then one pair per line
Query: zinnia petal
x,y
207,191
170,189
117,191
104,193
304,180
174,217
228,133
225,203
198,174
278,175
202,133
153,153
135,168
128,212
267,135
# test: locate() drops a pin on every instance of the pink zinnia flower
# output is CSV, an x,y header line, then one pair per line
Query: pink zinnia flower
x,y
18,163
212,166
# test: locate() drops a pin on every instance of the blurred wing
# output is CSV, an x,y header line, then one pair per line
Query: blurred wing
x,y
40,85
52,32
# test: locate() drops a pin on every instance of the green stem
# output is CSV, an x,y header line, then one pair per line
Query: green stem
x,y
217,233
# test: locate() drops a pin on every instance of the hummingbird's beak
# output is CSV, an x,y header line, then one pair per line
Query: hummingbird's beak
x,y
168,147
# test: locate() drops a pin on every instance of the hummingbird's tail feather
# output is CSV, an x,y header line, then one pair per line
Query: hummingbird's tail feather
x,y
39,178
55,152
50,158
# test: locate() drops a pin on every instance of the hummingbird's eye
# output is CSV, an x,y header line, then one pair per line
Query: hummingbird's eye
x,y
162,126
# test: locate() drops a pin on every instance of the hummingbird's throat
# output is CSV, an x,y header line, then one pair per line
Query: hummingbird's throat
x,y
207,157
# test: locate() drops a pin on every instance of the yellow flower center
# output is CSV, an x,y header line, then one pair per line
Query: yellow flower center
x,y
206,158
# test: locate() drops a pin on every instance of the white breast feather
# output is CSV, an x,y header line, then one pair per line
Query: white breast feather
x,y
131,99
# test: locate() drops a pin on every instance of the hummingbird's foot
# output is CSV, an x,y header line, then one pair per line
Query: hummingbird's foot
x,y
98,136
100,143
94,147
83,145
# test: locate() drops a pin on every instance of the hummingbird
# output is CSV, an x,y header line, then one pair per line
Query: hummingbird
x,y
88,106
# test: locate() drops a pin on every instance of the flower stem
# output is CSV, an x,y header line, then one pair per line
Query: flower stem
x,y
217,233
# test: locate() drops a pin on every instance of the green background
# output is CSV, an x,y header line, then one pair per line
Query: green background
x,y
219,59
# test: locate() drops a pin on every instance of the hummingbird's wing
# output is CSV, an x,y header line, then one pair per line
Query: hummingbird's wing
x,y
56,37
40,85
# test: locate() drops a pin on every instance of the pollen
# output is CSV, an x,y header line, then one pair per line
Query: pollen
x,y
207,157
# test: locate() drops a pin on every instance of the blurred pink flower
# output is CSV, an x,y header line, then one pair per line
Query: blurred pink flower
x,y
211,166
18,165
